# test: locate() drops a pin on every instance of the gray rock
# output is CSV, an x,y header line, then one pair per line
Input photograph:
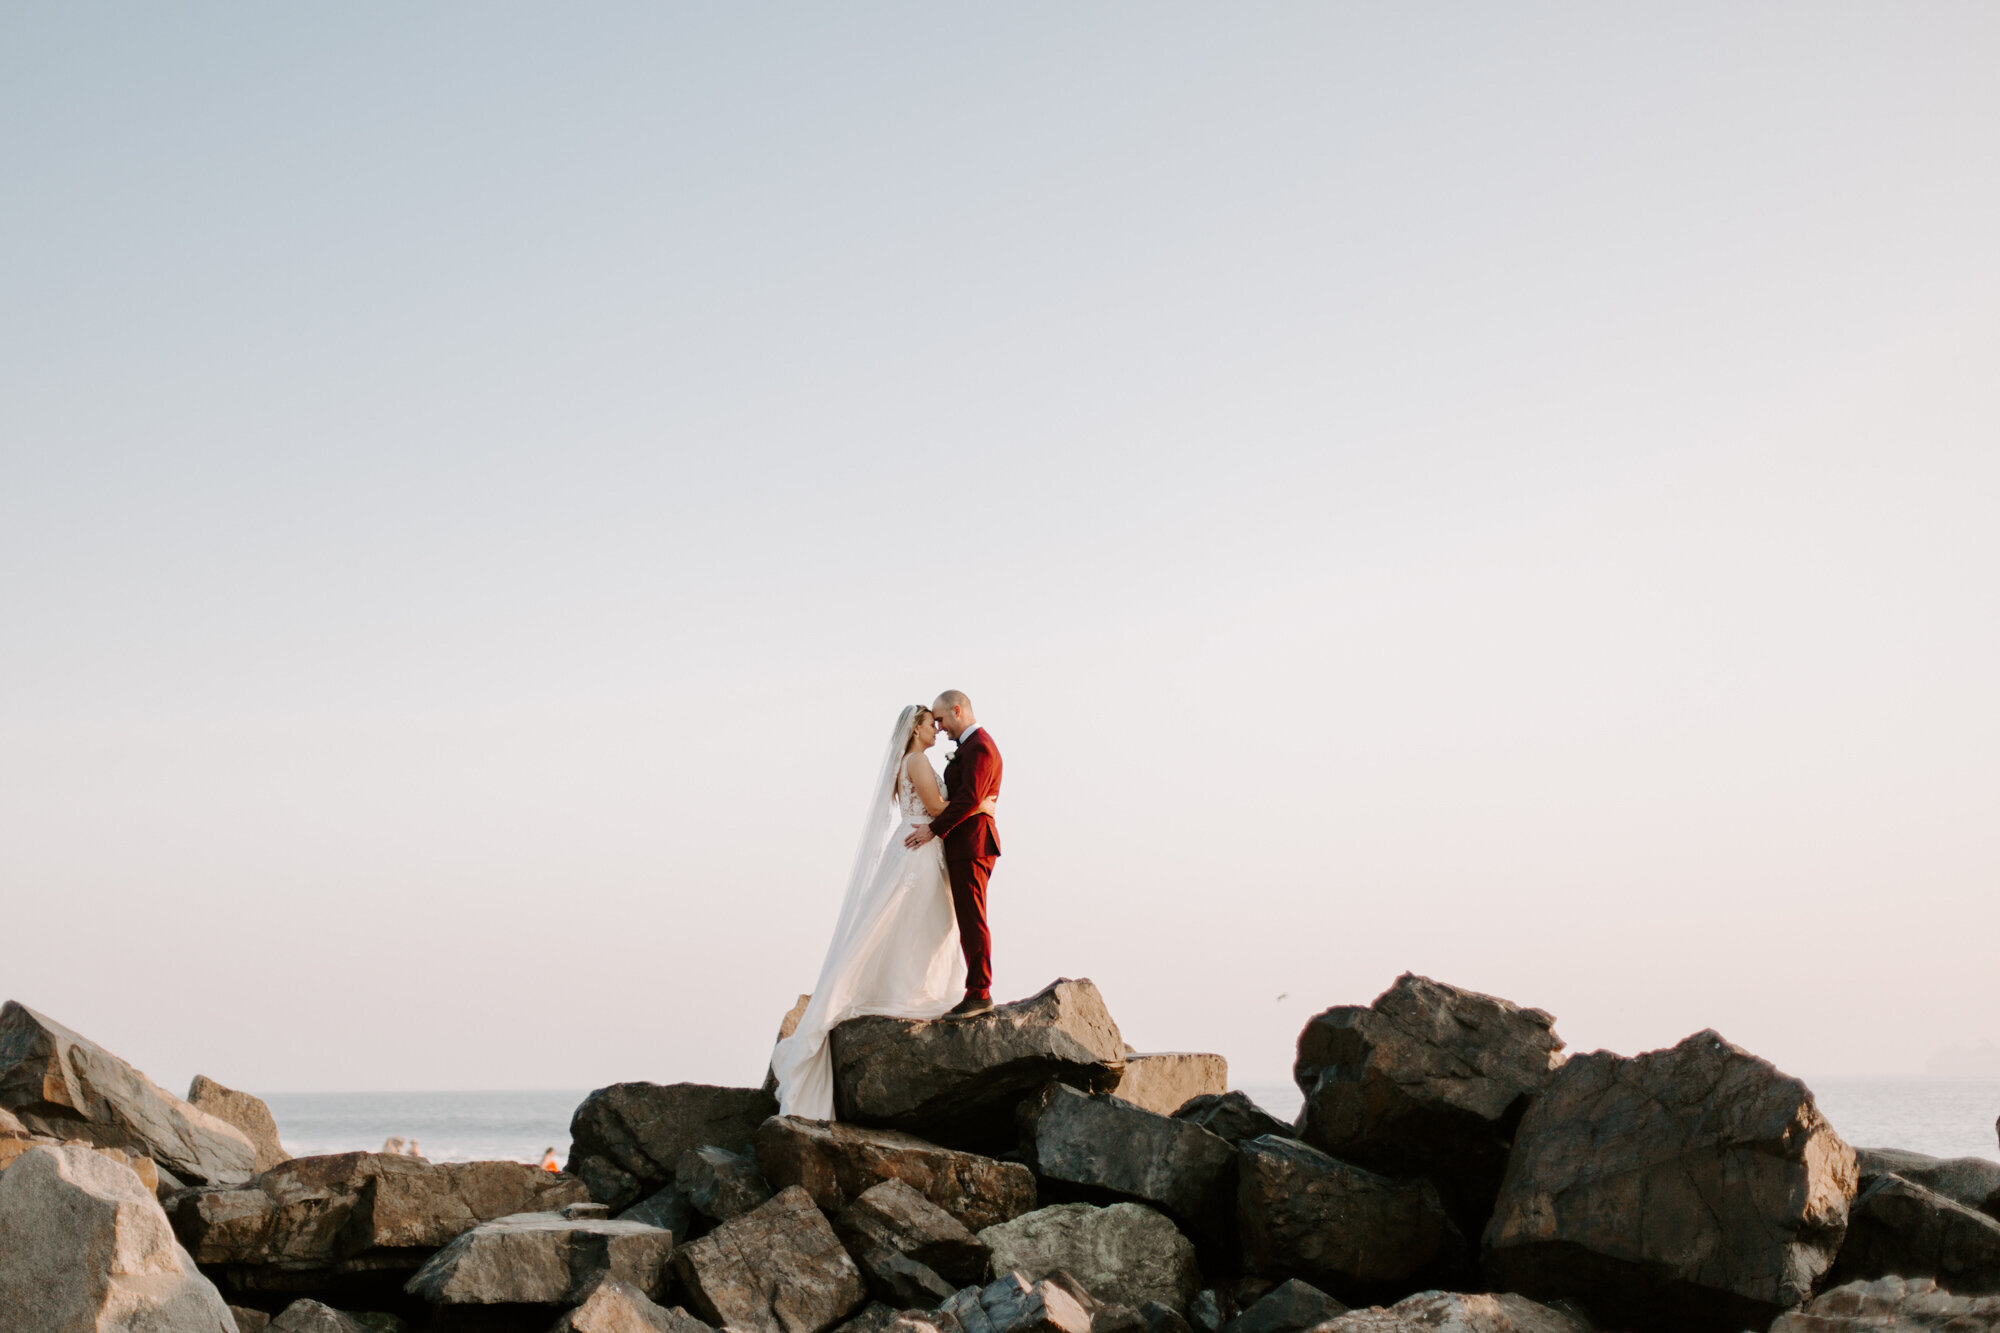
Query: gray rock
x,y
1429,1080
63,1086
587,1208
304,1220
248,1320
957,1081
1898,1228
1127,1253
1345,1229
246,1112
87,1250
1904,1305
1287,1308
667,1208
775,1269
875,1317
1015,1305
837,1163
1106,1143
1233,1116
899,1280
305,1316
626,1140
1162,1318
543,1259
1972,1181
1685,1189
620,1307
1455,1312
721,1184
1165,1081
894,1216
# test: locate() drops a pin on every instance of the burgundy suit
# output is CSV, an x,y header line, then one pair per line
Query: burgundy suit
x,y
971,846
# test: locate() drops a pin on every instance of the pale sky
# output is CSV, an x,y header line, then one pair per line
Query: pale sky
x,y
1506,492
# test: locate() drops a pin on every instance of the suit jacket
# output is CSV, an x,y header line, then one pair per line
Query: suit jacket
x,y
972,775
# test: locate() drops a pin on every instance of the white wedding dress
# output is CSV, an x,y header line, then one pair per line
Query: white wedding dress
x,y
895,947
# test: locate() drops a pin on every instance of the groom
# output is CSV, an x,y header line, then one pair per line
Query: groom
x,y
971,843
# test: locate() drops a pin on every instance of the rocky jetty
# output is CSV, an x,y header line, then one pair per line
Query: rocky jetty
x,y
1020,1171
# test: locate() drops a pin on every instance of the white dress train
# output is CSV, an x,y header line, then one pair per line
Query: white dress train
x,y
894,951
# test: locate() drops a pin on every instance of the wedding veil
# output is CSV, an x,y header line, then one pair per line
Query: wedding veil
x,y
880,822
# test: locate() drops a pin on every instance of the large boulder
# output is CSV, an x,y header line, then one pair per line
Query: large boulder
x,y
620,1307
1429,1080
1353,1232
775,1269
626,1140
248,1113
1287,1308
315,1217
1894,1305
1165,1081
719,1183
1455,1312
84,1248
63,1086
1233,1116
891,1218
957,1081
1972,1181
1898,1228
1108,1144
1691,1188
1127,1253
543,1259
1015,1305
837,1163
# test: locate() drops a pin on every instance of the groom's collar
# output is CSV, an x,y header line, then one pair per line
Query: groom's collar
x,y
966,735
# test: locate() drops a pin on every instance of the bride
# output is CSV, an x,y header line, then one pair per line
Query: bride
x,y
895,947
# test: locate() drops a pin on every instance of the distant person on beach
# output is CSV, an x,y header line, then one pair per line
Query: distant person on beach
x,y
393,1145
912,927
549,1160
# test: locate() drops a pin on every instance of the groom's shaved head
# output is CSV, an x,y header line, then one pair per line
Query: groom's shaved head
x,y
953,699
954,712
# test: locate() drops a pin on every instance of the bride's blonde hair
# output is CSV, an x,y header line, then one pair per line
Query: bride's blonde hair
x,y
910,741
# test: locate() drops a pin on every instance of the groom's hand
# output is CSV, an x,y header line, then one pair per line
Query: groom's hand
x,y
919,835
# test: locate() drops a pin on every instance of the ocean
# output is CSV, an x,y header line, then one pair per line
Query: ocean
x,y
1946,1117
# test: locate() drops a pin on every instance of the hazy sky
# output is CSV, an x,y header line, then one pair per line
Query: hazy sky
x,y
1506,492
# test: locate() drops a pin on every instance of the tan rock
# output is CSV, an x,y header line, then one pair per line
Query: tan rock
x,y
246,1112
1454,1312
1126,1254
543,1259
619,1307
836,1163
775,1269
87,1250
1165,1081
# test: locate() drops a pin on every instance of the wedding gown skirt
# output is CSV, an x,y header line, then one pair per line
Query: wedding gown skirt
x,y
894,951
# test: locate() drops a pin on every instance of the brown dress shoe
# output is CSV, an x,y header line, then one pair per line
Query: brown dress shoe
x,y
970,1005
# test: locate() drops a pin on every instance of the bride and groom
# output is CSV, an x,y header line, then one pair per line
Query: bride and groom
x,y
912,928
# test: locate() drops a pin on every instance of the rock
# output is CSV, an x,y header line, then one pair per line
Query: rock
x,y
775,1269
1972,1181
1429,1080
1287,1308
1127,1253
1162,1318
248,1320
619,1307
1343,1228
543,1259
1904,1305
956,1081
894,1216
1015,1305
721,1184
87,1250
1898,1228
1454,1312
786,1027
836,1163
577,1211
1105,1316
1109,1144
244,1111
313,1215
1165,1081
312,1317
1689,1188
667,1208
62,1086
899,1280
875,1317
1233,1116
626,1140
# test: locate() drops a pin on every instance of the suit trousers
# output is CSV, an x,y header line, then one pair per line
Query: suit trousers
x,y
968,899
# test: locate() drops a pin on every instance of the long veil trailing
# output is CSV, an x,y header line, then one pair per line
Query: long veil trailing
x,y
895,944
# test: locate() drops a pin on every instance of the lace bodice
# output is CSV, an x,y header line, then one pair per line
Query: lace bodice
x,y
911,804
